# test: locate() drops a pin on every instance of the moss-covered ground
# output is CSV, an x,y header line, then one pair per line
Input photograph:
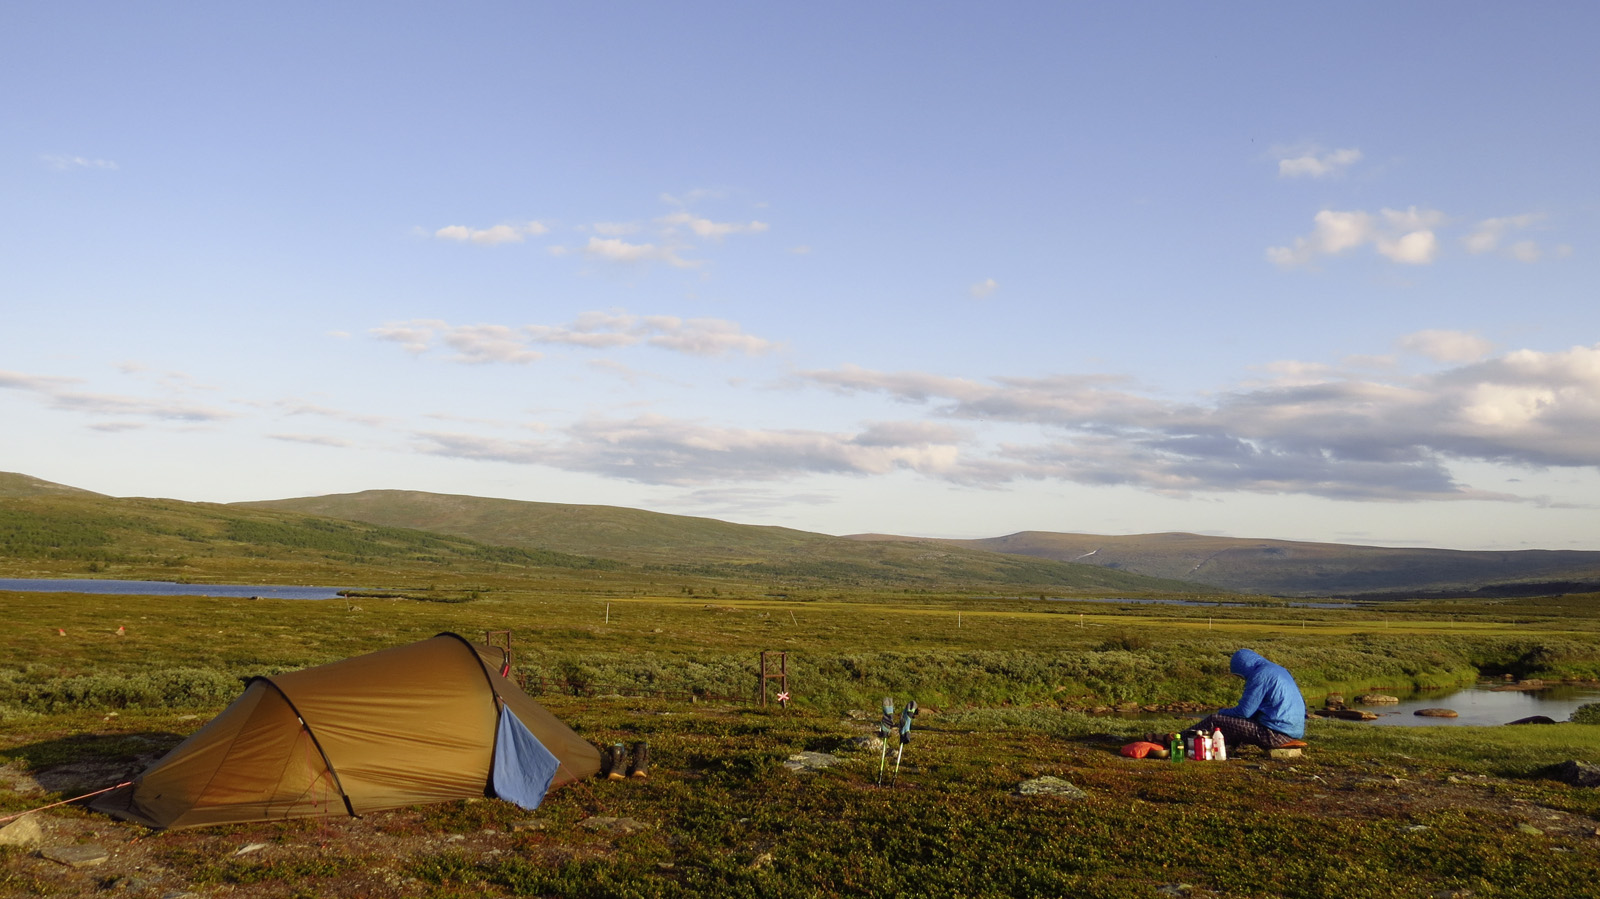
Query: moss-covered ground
x,y
1432,811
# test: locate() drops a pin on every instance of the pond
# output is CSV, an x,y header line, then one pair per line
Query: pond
x,y
165,588
1481,705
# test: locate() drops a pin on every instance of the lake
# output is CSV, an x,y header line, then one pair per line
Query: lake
x,y
1480,705
165,588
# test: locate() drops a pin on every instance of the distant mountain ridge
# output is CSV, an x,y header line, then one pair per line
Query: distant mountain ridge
x,y
597,536
1291,568
708,546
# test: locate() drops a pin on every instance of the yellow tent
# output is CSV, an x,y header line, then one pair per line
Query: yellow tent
x,y
428,722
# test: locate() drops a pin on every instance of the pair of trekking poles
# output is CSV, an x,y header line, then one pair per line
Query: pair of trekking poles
x,y
886,726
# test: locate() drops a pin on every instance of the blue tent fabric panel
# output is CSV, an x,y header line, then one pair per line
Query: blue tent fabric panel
x,y
523,768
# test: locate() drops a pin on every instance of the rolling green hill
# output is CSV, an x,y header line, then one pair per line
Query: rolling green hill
x,y
1289,568
18,485
707,547
402,540
50,532
366,537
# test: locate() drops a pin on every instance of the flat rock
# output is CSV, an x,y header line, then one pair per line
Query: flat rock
x,y
614,825
25,831
802,762
1377,699
80,856
1050,786
1350,714
1436,713
1281,754
1578,774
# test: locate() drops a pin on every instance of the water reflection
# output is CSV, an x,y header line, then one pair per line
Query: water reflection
x,y
1481,705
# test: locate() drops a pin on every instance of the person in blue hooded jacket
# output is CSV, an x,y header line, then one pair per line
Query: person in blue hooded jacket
x,y
1271,713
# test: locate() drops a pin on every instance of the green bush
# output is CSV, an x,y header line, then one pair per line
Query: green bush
x,y
1587,714
167,688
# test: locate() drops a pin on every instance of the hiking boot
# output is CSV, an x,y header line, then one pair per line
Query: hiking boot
x,y
641,760
617,763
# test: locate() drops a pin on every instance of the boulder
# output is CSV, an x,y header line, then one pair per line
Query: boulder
x,y
77,856
25,831
802,762
1578,774
1050,786
1284,754
1534,719
1436,713
1333,701
1377,699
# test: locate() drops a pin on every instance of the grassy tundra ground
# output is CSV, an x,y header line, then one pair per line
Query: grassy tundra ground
x,y
1368,812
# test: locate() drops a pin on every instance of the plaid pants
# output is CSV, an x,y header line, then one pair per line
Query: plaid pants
x,y
1242,732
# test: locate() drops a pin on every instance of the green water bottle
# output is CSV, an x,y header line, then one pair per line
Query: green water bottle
x,y
1175,750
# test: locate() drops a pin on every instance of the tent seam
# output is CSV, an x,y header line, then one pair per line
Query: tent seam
x,y
306,725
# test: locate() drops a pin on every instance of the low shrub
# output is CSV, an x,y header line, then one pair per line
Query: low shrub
x,y
1586,714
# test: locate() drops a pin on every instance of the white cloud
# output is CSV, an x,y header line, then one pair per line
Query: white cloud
x,y
415,335
693,196
1494,235
1405,236
613,249
655,449
489,343
61,394
313,440
489,237
1335,232
1412,248
592,330
1315,165
1333,435
709,229
983,289
703,336
68,163
295,407
1446,346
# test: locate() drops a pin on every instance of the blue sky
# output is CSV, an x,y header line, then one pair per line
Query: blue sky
x,y
950,270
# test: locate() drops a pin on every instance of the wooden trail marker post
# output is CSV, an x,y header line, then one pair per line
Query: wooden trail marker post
x,y
781,675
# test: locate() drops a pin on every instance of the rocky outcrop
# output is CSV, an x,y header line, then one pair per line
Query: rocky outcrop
x,y
1578,774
